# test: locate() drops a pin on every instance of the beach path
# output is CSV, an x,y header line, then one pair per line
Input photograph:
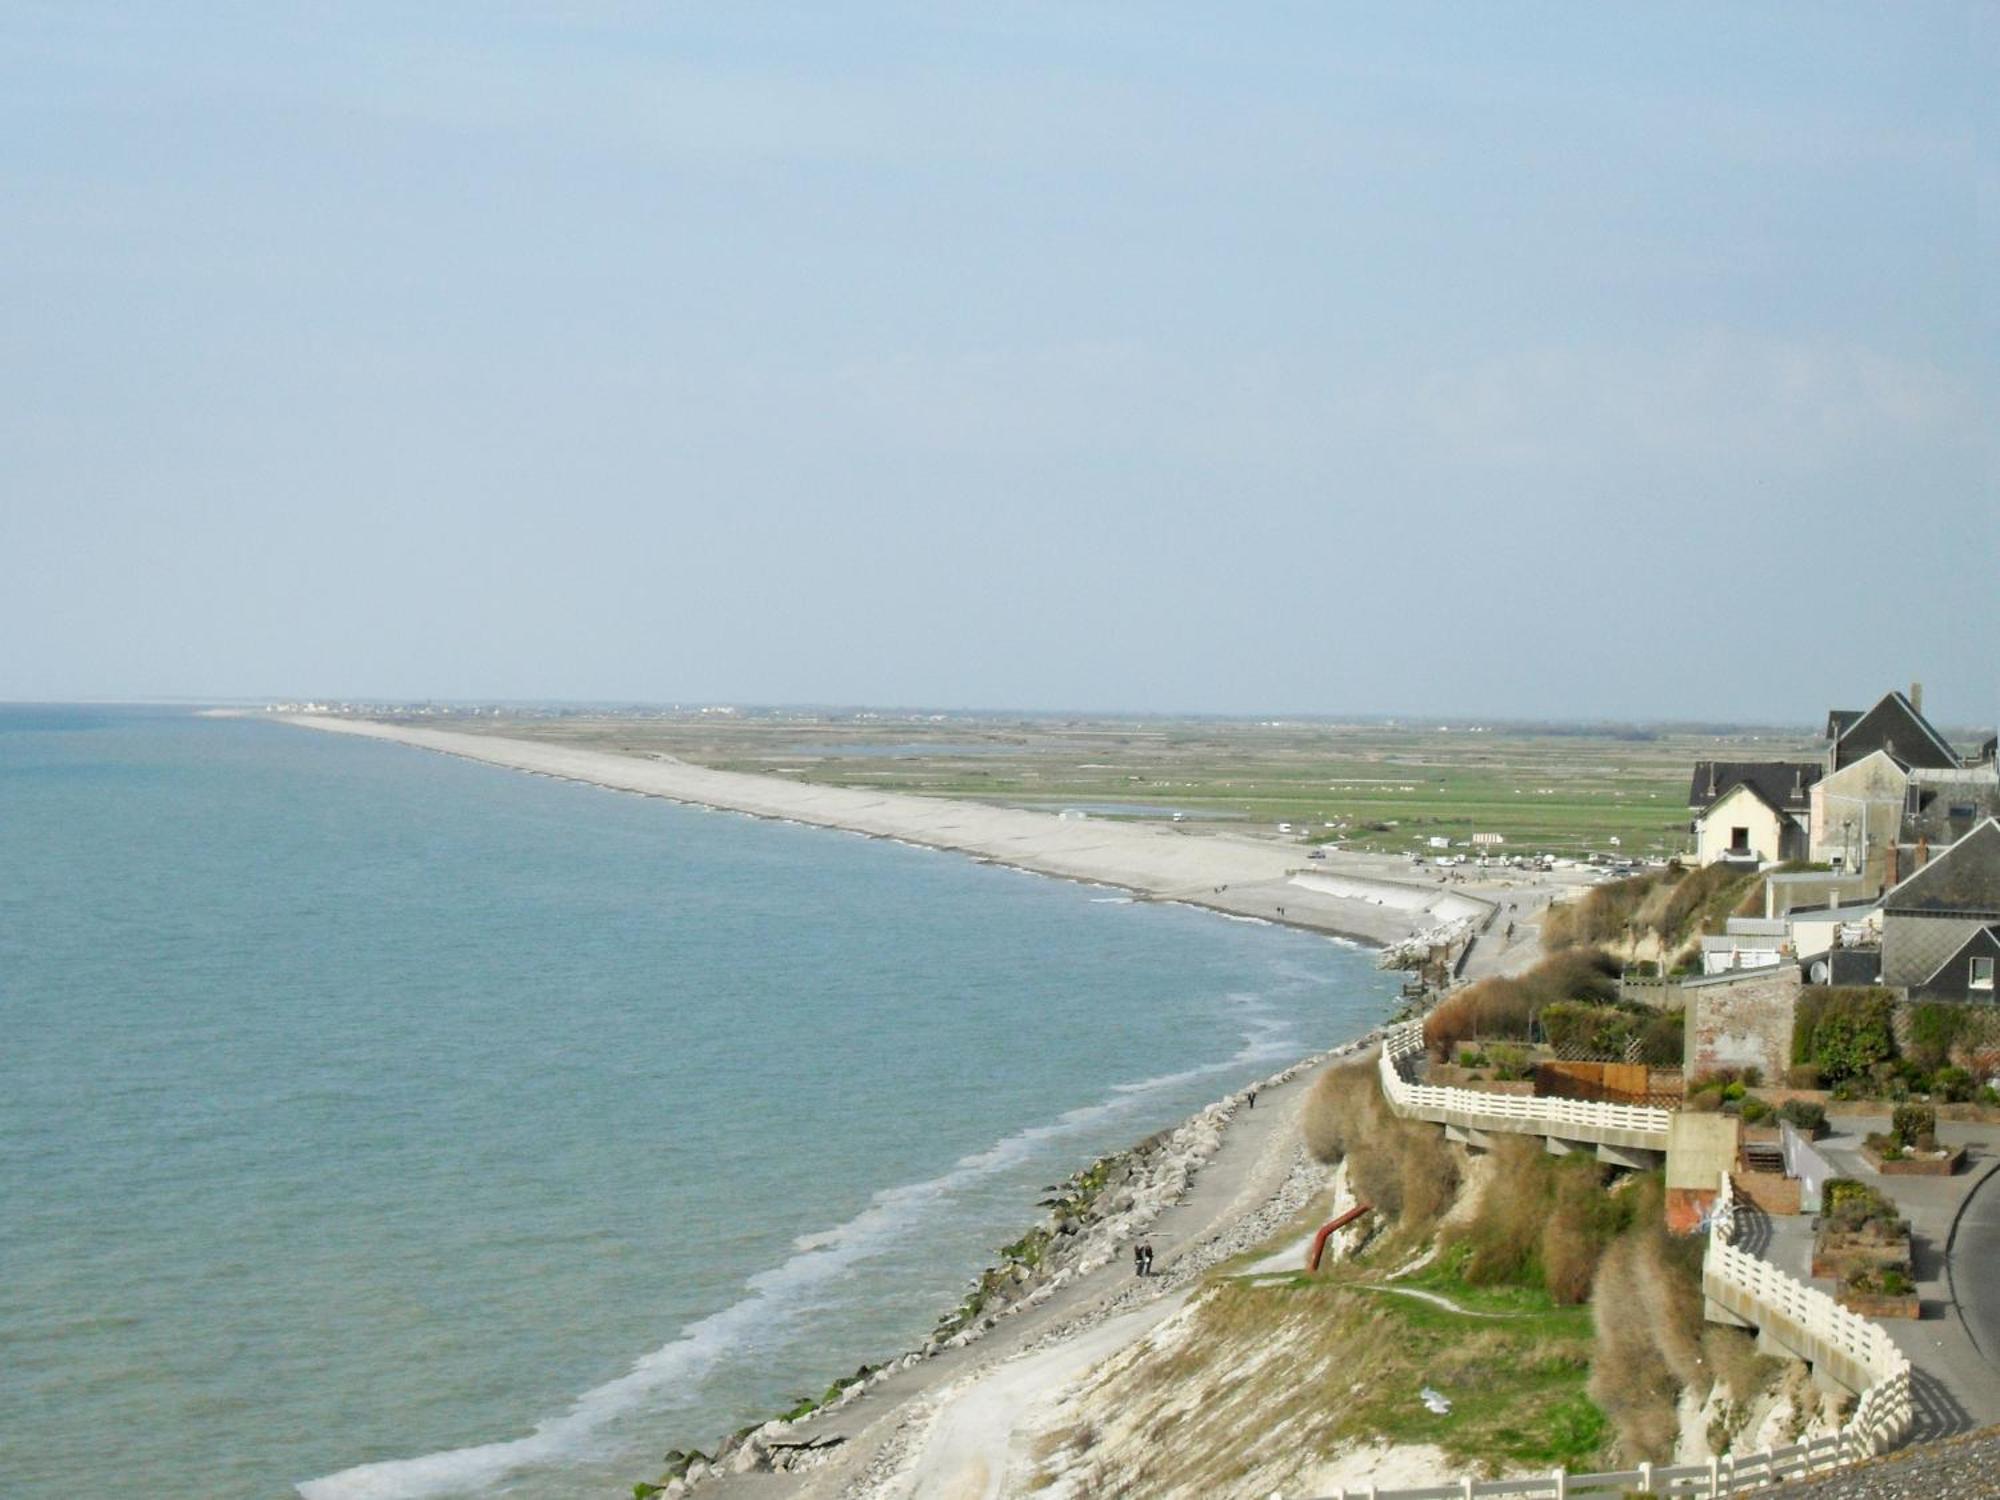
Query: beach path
x,y
953,1426
1228,872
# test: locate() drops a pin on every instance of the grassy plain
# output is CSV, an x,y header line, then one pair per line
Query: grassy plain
x,y
1382,786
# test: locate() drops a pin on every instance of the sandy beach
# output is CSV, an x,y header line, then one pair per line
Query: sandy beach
x,y
956,1417
1231,873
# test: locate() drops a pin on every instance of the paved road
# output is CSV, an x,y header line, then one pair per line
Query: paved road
x,y
1975,1267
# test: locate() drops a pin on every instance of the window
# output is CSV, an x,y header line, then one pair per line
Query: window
x,y
1982,975
1739,841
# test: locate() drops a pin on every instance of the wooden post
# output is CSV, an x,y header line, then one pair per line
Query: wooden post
x,y
1561,1477
1646,1478
1714,1476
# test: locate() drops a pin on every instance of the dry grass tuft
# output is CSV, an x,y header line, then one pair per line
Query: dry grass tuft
x,y
1402,1167
1507,1007
1648,1315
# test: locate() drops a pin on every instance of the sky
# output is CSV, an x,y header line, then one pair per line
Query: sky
x,y
1506,360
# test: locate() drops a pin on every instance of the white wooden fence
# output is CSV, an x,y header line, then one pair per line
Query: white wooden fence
x,y
1881,1417
1513,1111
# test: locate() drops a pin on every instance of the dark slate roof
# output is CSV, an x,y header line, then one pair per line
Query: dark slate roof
x,y
1782,784
1984,943
1964,878
1840,720
1893,725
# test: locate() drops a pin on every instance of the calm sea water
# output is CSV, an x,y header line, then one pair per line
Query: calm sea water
x,y
374,1124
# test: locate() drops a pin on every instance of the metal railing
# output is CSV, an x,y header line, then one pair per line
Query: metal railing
x,y
1881,1416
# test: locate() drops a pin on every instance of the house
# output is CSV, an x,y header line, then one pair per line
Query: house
x,y
1968,974
1856,815
1943,806
1897,726
1929,921
1751,812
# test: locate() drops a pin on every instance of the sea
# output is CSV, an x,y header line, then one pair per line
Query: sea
x,y
376,1125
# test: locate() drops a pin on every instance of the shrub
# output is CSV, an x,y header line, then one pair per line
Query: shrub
x,y
1663,1040
1755,1111
1705,1100
1804,1076
1545,1223
1402,1167
1934,1029
1803,1114
1953,1085
1507,1007
1648,1316
1844,1032
1885,1146
1851,1206
1912,1121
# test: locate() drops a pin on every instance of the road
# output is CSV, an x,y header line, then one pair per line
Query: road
x,y
1974,1261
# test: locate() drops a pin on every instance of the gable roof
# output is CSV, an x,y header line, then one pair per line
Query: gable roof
x,y
1781,785
1963,879
1893,725
1984,943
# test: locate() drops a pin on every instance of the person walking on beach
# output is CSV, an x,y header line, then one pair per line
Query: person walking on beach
x,y
1253,1098
1149,1257
1138,1259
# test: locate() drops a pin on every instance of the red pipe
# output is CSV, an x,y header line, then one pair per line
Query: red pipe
x,y
1328,1230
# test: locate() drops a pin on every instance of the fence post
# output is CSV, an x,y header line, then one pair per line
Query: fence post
x,y
1646,1478
1468,1487
1562,1483
1714,1476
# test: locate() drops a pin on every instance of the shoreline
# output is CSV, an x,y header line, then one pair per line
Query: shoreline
x,y
1220,872
872,1437
1056,1295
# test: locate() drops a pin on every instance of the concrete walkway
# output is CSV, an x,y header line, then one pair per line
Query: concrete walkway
x,y
1955,1385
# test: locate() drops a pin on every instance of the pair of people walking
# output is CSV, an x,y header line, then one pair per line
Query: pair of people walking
x,y
1142,1258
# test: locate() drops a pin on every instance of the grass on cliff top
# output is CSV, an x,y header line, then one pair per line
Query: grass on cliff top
x,y
1329,1362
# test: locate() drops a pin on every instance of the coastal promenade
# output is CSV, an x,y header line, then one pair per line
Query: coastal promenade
x,y
1230,873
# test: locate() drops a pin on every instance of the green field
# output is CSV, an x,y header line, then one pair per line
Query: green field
x,y
1380,786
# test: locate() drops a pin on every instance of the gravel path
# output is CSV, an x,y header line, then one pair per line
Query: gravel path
x,y
1963,1468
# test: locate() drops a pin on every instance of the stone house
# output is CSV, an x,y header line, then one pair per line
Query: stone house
x,y
1930,919
1857,814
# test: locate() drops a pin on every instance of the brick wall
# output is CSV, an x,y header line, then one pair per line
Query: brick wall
x,y
1744,1023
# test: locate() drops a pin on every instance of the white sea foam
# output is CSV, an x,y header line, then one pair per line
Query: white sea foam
x,y
776,1298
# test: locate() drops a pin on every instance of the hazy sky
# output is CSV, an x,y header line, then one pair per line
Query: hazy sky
x,y
1483,359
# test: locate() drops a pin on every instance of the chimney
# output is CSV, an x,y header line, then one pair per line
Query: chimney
x,y
1917,696
1711,781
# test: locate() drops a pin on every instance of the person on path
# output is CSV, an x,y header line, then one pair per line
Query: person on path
x,y
1146,1258
1253,1098
1139,1259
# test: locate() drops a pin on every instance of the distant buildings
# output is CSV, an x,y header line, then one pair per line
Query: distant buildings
x,y
1905,834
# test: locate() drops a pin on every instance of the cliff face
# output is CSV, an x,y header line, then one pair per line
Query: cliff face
x,y
1388,1368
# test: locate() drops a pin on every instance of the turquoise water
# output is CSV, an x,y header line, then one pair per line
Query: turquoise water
x,y
385,1125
